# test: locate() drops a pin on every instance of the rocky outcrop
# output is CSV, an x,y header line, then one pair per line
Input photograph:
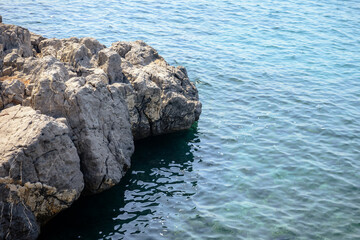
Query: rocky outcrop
x,y
95,111
69,112
14,42
161,99
101,131
39,166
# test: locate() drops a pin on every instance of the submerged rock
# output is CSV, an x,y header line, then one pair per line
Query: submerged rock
x,y
69,112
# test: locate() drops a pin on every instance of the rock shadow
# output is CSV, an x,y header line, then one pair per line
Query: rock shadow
x,y
161,169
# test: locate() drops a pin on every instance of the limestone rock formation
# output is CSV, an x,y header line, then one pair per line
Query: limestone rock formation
x,y
69,112
14,42
101,131
161,99
39,165
17,220
12,91
96,113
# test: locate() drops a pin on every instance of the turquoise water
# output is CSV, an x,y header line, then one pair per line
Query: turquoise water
x,y
276,153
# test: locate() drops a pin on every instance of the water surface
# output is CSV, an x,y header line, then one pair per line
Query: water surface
x,y
276,152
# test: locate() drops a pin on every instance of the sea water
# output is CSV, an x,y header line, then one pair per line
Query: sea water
x,y
276,152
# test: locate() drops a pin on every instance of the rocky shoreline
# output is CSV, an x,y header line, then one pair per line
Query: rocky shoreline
x,y
70,110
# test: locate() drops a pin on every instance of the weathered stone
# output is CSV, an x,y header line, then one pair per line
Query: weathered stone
x,y
17,221
78,55
139,122
97,116
110,62
45,87
101,131
92,44
15,41
37,148
35,41
10,58
12,91
15,37
98,75
82,54
107,96
166,100
50,47
39,170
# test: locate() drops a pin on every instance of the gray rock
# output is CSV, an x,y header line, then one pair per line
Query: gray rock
x,y
101,131
35,41
161,99
50,47
14,39
84,57
92,44
10,58
91,101
45,78
97,116
139,122
81,54
37,148
39,169
165,101
12,91
110,62
17,222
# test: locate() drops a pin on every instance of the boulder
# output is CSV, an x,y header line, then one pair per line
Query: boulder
x,y
35,40
39,167
17,221
96,112
166,100
101,128
16,41
110,62
12,91
161,99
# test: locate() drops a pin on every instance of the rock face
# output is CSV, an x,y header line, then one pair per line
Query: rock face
x,y
69,112
17,221
101,131
161,99
39,166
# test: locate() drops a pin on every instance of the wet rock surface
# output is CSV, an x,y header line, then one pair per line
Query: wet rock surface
x,y
70,110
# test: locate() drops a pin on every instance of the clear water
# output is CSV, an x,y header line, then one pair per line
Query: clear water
x,y
276,153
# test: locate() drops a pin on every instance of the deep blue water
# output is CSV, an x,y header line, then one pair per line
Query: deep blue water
x,y
276,153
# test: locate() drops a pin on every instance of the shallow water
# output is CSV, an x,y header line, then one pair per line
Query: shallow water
x,y
276,152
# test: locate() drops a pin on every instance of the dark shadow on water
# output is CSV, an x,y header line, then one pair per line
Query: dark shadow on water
x,y
103,215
